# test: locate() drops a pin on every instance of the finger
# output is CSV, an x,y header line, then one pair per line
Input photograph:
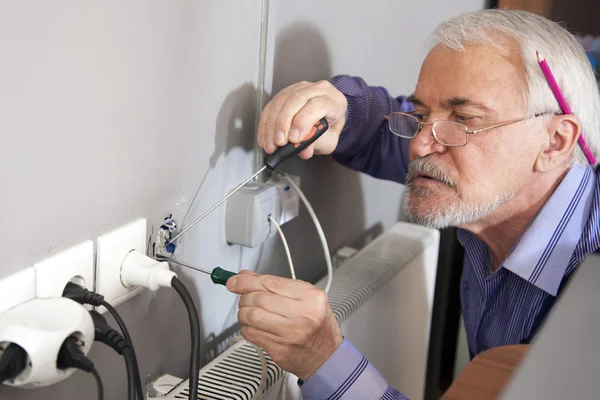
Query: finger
x,y
262,125
259,337
264,320
275,106
315,109
246,272
270,302
307,153
293,289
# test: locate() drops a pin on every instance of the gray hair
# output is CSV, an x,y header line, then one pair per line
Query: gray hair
x,y
564,54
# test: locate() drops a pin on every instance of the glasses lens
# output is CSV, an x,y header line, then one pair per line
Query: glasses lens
x,y
450,133
403,125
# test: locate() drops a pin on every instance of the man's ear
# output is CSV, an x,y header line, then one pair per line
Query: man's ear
x,y
563,132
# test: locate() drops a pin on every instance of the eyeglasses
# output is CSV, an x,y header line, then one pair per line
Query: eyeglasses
x,y
447,133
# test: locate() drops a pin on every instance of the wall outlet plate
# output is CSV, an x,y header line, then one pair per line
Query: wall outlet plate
x,y
290,199
53,274
247,214
111,251
17,288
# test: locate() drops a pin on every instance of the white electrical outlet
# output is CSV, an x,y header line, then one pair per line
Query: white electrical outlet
x,y
247,215
17,288
111,251
290,199
53,274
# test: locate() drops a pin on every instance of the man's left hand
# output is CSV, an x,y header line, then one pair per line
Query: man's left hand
x,y
290,319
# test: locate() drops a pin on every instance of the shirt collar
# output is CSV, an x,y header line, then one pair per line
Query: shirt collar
x,y
542,254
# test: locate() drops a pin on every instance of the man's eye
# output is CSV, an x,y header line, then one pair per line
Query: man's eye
x,y
421,117
462,118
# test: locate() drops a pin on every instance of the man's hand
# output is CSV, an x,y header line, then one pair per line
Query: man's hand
x,y
290,319
291,114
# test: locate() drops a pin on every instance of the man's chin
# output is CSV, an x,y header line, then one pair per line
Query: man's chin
x,y
428,221
430,211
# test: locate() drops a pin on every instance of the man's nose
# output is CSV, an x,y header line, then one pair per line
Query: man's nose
x,y
424,144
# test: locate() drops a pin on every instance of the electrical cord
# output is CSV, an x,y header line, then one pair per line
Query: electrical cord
x,y
71,356
285,246
317,226
85,296
136,371
99,384
194,370
263,366
285,377
13,361
104,333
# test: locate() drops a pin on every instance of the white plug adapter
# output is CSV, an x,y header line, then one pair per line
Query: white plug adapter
x,y
140,270
40,327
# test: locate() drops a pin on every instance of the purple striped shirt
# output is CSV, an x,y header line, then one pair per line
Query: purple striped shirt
x,y
499,308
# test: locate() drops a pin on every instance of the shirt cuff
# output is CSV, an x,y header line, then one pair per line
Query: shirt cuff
x,y
346,374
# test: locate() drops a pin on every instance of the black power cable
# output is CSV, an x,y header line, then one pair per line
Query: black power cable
x,y
71,356
104,333
99,383
13,360
84,296
123,327
195,332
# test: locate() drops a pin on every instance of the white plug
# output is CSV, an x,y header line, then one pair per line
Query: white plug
x,y
140,270
40,327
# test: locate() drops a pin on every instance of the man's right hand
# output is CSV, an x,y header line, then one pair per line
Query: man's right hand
x,y
291,114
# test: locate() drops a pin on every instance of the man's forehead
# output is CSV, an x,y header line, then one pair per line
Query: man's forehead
x,y
478,77
454,101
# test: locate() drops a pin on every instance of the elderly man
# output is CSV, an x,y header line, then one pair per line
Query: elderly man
x,y
481,145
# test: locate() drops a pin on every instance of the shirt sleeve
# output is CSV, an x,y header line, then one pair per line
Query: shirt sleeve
x,y
366,143
348,375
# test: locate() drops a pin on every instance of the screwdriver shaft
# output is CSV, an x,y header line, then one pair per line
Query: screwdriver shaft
x,y
186,265
215,206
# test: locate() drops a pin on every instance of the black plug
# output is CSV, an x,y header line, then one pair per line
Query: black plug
x,y
13,360
81,295
104,333
71,356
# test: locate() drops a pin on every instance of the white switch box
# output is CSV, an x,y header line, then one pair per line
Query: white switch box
x,y
111,251
17,288
53,274
290,200
247,215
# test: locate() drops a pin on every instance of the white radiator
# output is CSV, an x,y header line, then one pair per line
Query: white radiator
x,y
383,299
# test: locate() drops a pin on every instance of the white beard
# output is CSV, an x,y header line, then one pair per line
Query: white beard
x,y
458,212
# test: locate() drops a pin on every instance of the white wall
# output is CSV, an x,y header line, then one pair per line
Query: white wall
x,y
112,111
117,109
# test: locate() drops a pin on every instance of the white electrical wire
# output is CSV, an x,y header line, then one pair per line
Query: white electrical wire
x,y
319,230
263,366
285,245
263,373
286,375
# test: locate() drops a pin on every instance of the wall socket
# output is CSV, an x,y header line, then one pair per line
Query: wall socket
x,y
112,249
75,263
289,198
247,215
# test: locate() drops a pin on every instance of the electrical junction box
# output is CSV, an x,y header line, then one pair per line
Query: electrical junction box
x,y
247,215
290,200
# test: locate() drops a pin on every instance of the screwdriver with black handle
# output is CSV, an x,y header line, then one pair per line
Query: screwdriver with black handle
x,y
272,161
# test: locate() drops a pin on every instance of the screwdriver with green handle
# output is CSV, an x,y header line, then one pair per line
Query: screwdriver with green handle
x,y
219,276
272,161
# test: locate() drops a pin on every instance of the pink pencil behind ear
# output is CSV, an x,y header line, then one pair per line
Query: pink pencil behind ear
x,y
562,102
